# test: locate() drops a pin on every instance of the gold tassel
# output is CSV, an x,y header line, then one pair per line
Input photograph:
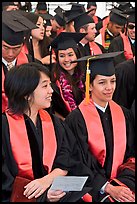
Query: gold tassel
x,y
87,82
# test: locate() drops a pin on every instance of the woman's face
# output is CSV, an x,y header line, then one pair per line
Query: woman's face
x,y
38,33
102,89
42,94
65,59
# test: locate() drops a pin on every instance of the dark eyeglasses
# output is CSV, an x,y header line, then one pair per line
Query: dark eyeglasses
x,y
131,26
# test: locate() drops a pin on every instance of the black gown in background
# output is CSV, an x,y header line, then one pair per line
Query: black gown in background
x,y
124,93
117,45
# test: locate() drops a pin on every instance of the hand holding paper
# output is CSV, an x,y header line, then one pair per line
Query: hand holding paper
x,y
68,183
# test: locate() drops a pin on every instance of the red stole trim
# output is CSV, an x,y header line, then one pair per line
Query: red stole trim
x,y
4,97
66,102
87,198
96,138
21,59
94,48
20,143
102,33
95,18
127,46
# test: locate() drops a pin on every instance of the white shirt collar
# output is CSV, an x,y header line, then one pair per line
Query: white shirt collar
x,y
110,33
5,62
103,109
132,41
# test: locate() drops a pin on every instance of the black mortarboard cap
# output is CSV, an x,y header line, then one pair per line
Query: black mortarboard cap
x,y
82,19
75,10
41,6
70,15
14,23
89,4
67,40
131,15
101,64
117,17
47,17
33,17
77,7
124,5
59,17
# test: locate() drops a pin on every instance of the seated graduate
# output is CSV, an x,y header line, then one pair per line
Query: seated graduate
x,y
33,141
67,77
103,130
14,24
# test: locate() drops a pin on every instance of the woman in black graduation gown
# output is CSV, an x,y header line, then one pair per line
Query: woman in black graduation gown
x,y
101,132
34,142
67,77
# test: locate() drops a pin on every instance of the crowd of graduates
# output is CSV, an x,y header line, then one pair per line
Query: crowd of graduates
x,y
68,102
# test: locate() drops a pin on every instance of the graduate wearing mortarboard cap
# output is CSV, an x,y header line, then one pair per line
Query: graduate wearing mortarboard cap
x,y
83,23
67,77
58,22
99,125
126,41
115,25
14,24
92,6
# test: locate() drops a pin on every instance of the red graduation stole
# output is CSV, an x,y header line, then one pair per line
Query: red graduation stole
x,y
94,48
20,143
127,47
96,138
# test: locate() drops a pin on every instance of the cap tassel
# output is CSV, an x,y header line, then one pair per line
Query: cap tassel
x,y
87,82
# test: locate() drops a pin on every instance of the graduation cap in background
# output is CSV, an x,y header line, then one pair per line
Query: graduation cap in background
x,y
67,40
59,17
14,24
116,16
75,10
47,17
101,64
131,15
33,17
124,5
41,6
77,7
89,4
82,19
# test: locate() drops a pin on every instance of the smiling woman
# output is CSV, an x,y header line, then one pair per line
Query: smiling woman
x,y
30,133
67,77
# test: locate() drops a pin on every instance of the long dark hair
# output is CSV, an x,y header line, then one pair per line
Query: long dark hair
x,y
43,44
20,83
73,80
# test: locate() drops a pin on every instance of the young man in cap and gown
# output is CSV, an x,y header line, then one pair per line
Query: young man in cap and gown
x,y
115,25
125,41
14,24
103,131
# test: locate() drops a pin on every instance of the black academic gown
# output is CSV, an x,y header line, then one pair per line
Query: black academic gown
x,y
124,93
77,124
85,51
58,104
62,159
117,45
